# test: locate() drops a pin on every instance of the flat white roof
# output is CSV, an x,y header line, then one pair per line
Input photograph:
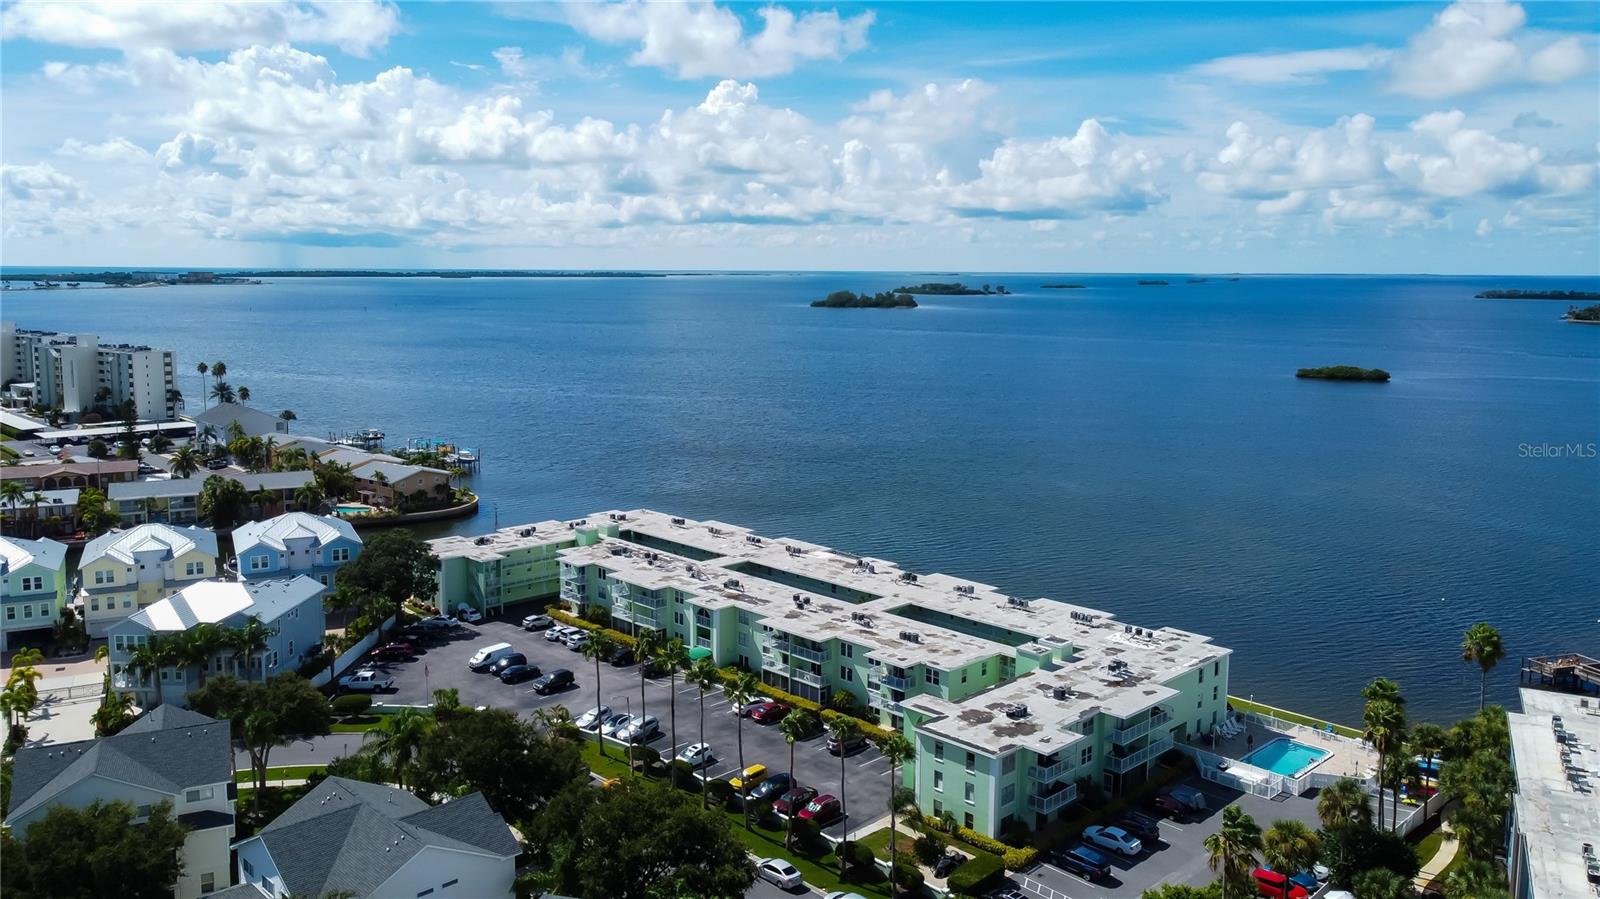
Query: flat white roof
x,y
1554,817
494,546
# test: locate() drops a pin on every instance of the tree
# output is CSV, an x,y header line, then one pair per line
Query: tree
x,y
244,394
845,730
1344,802
795,726
506,758
96,851
1384,717
222,392
336,479
394,566
674,656
115,713
400,737
645,647
1481,644
288,415
12,494
264,715
219,369
309,497
1290,846
1350,848
897,750
1182,891
703,674
222,501
95,511
1428,741
202,368
599,648
1231,851
97,448
1381,883
250,641
200,644
642,840
741,692
1473,879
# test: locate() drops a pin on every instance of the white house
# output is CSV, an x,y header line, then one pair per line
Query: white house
x,y
378,841
169,755
253,422
295,543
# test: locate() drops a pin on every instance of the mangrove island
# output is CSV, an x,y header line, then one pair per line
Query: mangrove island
x,y
1589,315
1539,295
1343,373
845,299
1152,284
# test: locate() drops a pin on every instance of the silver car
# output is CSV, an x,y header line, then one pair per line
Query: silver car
x,y
615,723
595,717
641,729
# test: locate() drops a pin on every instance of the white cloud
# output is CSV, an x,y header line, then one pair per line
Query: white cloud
x,y
929,114
1465,162
117,150
38,182
1472,46
355,26
1484,229
699,39
1063,177
512,62
1302,67
1253,168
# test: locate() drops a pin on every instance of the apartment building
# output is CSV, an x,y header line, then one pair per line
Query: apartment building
x,y
33,588
295,543
1015,705
69,370
1554,825
125,570
512,565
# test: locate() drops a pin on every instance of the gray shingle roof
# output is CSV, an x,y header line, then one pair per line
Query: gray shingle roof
x,y
167,751
349,835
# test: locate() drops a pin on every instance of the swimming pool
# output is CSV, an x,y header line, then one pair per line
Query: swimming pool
x,y
1286,757
356,509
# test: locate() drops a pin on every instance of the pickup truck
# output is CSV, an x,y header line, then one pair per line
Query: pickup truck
x,y
366,681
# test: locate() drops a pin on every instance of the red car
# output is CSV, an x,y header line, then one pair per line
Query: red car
x,y
393,652
769,712
826,809
1168,803
1272,885
794,800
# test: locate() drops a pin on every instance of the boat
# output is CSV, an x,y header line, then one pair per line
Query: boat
x,y
371,434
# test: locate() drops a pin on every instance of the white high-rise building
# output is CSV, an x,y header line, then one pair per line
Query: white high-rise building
x,y
68,370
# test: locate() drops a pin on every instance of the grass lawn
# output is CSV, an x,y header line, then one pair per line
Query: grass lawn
x,y
355,725
290,772
1428,846
1245,705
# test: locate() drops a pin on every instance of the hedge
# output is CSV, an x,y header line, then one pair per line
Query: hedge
x,y
1015,858
572,620
977,875
351,705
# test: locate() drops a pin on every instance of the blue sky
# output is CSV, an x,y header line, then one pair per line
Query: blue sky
x,y
1323,137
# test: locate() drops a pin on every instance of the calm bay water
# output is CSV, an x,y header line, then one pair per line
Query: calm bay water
x,y
1145,450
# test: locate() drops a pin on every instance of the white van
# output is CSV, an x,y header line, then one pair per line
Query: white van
x,y
488,655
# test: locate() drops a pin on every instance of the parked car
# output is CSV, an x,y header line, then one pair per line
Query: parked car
x,y
516,674
750,776
774,786
1083,861
840,894
622,655
794,800
488,655
1114,838
743,711
1170,805
1141,825
506,661
437,623
779,873
366,681
392,652
1306,880
769,712
554,682
576,642
558,633
1190,797
615,723
836,747
1271,884
947,863
697,754
468,614
537,622
642,729
594,718
823,810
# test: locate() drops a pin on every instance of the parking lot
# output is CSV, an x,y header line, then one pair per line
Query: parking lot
x,y
444,666
1180,856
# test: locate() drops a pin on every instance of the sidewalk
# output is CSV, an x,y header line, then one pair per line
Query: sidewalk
x,y
1441,859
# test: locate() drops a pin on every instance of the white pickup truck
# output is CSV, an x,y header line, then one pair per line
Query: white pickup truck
x,y
366,681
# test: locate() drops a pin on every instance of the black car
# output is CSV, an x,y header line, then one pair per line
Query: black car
x,y
622,656
947,863
515,674
836,747
507,661
559,679
773,787
1082,861
1146,828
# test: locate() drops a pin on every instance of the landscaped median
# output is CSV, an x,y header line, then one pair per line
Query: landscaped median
x,y
1246,705
286,773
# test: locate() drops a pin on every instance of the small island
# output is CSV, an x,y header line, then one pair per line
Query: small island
x,y
1343,373
1588,315
1539,295
1198,280
1061,287
950,289
845,299
1152,284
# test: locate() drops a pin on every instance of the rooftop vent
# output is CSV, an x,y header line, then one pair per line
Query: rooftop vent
x,y
678,521
911,636
1062,692
483,541
1019,602
715,532
1017,711
525,532
792,550
908,577
733,584
751,538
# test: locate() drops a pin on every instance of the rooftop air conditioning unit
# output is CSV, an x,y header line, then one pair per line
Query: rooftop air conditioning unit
x,y
1020,710
1061,692
525,532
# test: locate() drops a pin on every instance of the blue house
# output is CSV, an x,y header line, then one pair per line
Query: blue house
x,y
295,543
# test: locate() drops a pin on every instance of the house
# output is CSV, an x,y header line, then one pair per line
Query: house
x,y
367,840
271,492
345,455
253,422
295,543
33,586
382,483
165,501
53,474
168,755
290,607
125,570
56,513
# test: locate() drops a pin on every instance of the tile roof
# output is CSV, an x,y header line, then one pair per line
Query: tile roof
x,y
121,545
289,526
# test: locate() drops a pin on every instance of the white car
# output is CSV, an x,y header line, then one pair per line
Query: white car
x,y
577,641
593,718
640,729
366,681
1114,838
536,622
558,633
779,873
468,614
697,754
614,724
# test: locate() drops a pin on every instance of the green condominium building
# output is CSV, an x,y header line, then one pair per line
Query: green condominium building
x,y
1014,705
509,566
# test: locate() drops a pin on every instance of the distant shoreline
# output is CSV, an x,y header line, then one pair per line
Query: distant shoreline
x,y
127,277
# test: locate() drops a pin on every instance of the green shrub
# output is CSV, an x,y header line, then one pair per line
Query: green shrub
x,y
761,811
720,792
928,849
639,753
807,835
314,666
856,862
977,875
683,776
351,704
908,878
869,729
573,620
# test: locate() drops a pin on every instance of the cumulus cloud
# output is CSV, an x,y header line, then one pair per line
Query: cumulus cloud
x,y
699,39
1064,177
929,114
38,182
355,26
1252,167
1472,46
1302,67
1457,161
117,150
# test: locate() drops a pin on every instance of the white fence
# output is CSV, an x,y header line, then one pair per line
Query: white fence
x,y
349,656
70,689
1239,776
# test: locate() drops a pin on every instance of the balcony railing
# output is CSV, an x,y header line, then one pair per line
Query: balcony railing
x,y
806,677
773,663
879,701
1045,803
1133,732
622,612
619,592
1050,773
651,602
1124,763
894,682
813,655
571,594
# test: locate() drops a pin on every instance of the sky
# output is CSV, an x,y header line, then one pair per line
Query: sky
x,y
1128,137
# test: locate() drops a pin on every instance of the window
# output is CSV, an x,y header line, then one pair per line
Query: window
x,y
1008,795
339,554
127,602
426,892
938,751
938,781
323,578
260,563
847,674
31,584
194,569
44,610
983,670
208,882
970,793
938,808
1202,675
11,613
847,650
1216,668
274,662
677,618
249,870
104,577
27,610
1214,694
930,676
972,760
963,675
291,647
1086,756
199,794
744,638
1008,764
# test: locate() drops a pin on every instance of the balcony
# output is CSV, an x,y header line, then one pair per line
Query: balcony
x,y
649,602
619,593
1050,773
646,618
806,677
773,663
1124,763
879,701
894,682
811,655
622,612
571,594
1046,802
1126,735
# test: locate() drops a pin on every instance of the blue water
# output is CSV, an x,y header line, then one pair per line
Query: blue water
x,y
1146,450
1284,756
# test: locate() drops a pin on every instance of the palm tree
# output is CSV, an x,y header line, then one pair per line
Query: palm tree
x,y
263,498
675,656
844,730
704,675
219,368
12,494
1290,846
898,750
600,646
1231,851
200,644
645,647
309,497
185,461
175,398
250,640
1344,802
33,502
244,394
1385,723
202,368
795,726
222,392
1481,644
287,415
399,738
160,443
741,692
151,656
1428,741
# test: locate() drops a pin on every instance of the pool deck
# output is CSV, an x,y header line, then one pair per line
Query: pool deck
x,y
1346,757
